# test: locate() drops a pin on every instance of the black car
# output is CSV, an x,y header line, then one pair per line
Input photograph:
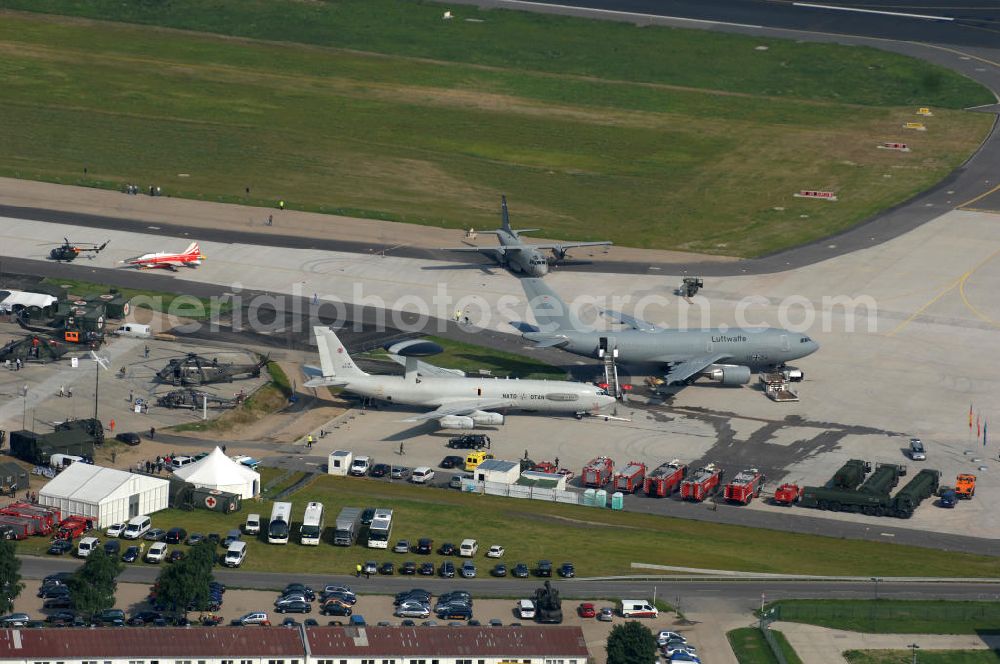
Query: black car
x,y
567,571
499,570
175,556
309,593
61,602
61,617
57,578
452,461
544,568
129,438
336,609
50,591
471,441
112,547
409,567
447,570
112,617
367,516
426,569
343,598
520,571
131,554
175,536
425,546
379,470
387,568
295,606
447,549
414,595
146,618
61,546
454,613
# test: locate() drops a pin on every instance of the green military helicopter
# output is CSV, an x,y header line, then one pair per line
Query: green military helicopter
x,y
69,251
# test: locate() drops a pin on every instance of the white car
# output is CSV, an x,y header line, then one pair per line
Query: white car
x,y
496,551
156,553
526,609
115,530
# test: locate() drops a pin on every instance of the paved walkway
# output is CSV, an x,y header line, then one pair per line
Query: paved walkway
x,y
820,645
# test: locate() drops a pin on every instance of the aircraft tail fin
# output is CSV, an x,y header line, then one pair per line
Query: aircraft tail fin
x,y
505,215
192,248
334,359
551,312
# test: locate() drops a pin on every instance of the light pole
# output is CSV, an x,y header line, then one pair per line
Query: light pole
x,y
876,579
914,647
24,406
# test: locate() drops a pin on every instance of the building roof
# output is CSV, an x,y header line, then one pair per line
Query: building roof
x,y
499,465
513,642
138,643
25,299
216,470
86,483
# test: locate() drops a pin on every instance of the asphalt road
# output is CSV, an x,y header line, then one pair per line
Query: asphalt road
x,y
744,594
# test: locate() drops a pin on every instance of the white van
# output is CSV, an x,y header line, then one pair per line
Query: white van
x,y
134,330
422,475
235,554
87,545
468,548
361,465
60,461
638,608
180,462
137,527
252,526
526,609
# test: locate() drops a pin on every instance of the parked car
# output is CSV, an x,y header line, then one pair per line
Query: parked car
x,y
131,554
61,602
452,461
544,568
471,441
115,530
402,546
175,536
567,571
606,614
156,553
61,546
129,438
112,617
154,535
367,515
468,570
665,635
426,569
112,547
370,567
309,593
454,613
917,452
175,556
425,546
415,594
495,551
447,549
252,618
526,609
412,610
586,610
50,591
294,606
336,609
447,570
146,618
400,472
194,539
422,475
520,571
15,620
61,617
387,568
499,570
409,568
380,470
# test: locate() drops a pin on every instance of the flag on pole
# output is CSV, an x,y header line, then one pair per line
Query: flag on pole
x,y
979,429
984,434
970,417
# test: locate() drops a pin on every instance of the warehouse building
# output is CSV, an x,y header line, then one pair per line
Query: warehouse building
x,y
105,495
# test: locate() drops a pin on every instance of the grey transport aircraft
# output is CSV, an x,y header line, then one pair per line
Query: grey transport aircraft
x,y
456,401
516,256
727,356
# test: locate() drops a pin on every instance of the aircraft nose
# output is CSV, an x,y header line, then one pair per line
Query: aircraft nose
x,y
604,400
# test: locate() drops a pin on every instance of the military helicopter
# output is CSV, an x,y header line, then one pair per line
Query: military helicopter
x,y
193,369
69,251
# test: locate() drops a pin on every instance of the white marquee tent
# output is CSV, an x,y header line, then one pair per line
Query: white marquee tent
x,y
217,471
104,494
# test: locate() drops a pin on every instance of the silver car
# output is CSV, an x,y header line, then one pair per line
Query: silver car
x,y
917,452
413,610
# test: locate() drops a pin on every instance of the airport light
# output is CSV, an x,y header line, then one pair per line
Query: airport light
x,y
914,648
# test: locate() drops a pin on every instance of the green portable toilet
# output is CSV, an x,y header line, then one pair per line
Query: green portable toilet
x,y
588,497
601,498
617,500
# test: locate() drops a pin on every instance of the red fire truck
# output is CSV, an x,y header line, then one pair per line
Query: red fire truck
x,y
744,487
630,478
665,478
787,494
598,472
702,484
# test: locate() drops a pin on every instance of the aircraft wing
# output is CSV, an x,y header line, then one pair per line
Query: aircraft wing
x,y
568,245
681,371
496,253
631,321
428,369
460,408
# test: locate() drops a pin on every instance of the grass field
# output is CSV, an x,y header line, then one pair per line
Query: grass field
x,y
599,542
923,656
895,616
750,647
384,111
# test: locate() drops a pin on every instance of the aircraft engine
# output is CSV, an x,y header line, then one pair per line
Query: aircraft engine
x,y
456,422
481,417
729,374
558,254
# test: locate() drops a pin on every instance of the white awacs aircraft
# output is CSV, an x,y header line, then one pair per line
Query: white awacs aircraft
x,y
457,402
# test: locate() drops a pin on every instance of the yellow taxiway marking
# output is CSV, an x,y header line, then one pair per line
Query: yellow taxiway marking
x,y
962,206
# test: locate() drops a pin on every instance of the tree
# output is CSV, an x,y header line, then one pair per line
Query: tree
x,y
184,585
631,643
93,586
10,575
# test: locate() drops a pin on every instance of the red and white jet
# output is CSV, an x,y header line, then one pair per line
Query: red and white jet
x,y
191,257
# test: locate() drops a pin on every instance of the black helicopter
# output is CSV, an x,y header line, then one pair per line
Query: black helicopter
x,y
69,251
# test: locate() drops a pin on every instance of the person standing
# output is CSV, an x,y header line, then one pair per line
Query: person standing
x,y
357,571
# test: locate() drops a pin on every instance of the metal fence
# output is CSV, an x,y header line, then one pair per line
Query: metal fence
x,y
519,491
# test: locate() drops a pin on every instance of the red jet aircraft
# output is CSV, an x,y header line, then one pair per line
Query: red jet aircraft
x,y
191,257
